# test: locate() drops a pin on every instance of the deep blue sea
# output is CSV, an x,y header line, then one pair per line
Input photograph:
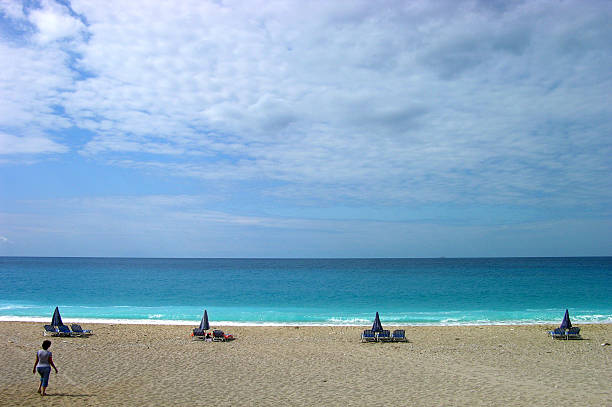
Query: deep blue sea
x,y
308,291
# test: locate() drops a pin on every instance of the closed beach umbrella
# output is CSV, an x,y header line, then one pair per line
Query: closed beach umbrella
x,y
204,325
57,318
566,324
377,327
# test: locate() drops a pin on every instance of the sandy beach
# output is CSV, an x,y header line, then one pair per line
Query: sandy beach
x,y
450,366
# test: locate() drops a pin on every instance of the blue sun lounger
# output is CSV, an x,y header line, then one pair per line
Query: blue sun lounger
x,y
573,333
557,333
399,335
368,336
384,336
64,330
50,330
77,330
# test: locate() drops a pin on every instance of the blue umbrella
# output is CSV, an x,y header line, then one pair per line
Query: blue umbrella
x,y
57,319
377,327
204,325
566,324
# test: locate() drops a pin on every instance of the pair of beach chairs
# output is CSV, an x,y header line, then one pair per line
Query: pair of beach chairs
x,y
560,333
217,335
398,335
63,330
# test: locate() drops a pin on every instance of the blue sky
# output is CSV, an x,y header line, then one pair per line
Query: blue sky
x,y
305,129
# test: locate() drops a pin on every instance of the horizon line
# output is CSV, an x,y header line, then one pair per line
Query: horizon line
x,y
306,258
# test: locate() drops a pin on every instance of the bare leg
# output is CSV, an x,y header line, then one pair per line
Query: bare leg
x,y
44,391
39,386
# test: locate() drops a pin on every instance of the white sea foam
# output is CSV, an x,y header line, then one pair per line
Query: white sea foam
x,y
12,306
112,321
348,321
450,321
359,322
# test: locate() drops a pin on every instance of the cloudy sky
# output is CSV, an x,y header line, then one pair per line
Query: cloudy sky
x,y
283,128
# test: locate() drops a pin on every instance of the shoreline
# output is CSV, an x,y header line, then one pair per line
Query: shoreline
x,y
148,364
169,322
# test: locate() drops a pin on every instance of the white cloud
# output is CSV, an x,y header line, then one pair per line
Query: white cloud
x,y
12,9
28,145
53,22
32,82
415,102
340,96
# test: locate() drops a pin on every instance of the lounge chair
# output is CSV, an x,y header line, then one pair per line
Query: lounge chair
x,y
198,332
384,336
559,333
368,336
573,333
399,335
201,334
218,336
64,330
77,330
50,330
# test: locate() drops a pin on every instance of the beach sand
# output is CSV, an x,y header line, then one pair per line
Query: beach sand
x,y
440,366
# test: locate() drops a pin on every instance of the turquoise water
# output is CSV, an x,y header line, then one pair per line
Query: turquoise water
x,y
308,291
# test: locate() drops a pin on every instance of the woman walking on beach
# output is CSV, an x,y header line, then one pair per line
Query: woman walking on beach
x,y
43,364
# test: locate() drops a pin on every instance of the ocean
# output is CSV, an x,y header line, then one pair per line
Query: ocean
x,y
308,291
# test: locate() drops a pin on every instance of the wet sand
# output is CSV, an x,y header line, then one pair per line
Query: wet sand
x,y
450,366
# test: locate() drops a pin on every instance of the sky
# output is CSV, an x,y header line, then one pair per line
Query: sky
x,y
284,128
